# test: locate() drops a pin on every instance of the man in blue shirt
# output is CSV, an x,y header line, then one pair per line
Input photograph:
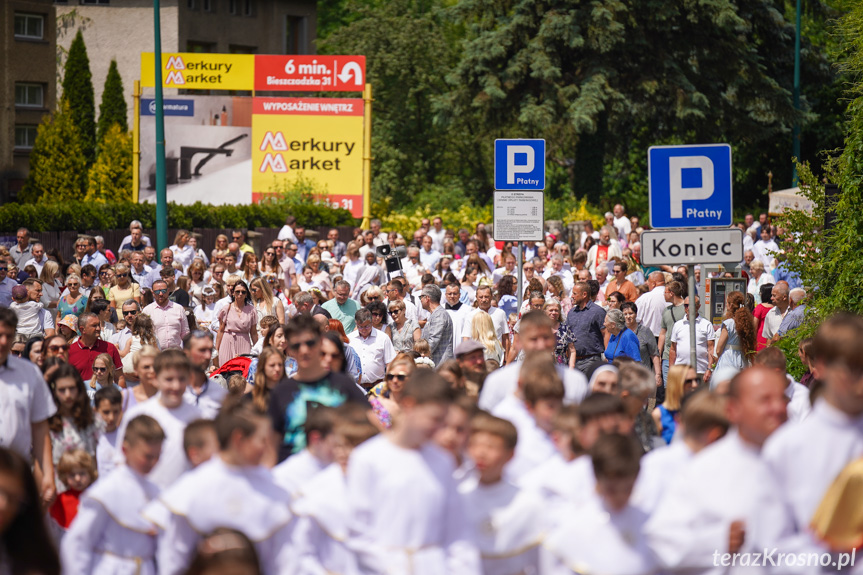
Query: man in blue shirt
x,y
586,320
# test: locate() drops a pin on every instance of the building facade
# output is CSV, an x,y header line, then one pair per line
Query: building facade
x,y
36,34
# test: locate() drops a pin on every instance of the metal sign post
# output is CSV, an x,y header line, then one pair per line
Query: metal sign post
x,y
518,258
693,310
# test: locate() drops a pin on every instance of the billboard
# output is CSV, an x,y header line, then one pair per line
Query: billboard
x,y
193,71
320,139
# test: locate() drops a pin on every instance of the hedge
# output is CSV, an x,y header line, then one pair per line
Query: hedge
x,y
82,216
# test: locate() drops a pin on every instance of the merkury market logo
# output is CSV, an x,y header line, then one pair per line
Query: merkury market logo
x,y
179,73
276,143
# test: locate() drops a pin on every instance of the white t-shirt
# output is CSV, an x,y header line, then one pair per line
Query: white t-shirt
x,y
498,318
24,400
703,333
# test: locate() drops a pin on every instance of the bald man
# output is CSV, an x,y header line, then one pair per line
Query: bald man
x,y
726,500
653,303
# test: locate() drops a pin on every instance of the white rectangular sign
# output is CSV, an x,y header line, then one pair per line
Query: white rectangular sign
x,y
681,247
519,216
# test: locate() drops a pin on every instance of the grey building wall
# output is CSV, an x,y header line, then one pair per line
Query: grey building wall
x,y
23,60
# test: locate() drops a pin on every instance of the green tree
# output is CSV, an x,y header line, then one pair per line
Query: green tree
x,y
78,91
409,51
584,75
110,177
58,168
112,110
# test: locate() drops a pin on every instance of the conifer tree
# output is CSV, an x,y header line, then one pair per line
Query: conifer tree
x,y
113,109
78,91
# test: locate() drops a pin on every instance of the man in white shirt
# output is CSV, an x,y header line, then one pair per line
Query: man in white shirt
x,y
286,264
437,234
457,311
781,305
556,269
704,341
395,291
129,311
370,244
39,258
498,317
428,255
807,456
206,395
374,348
508,269
621,222
131,238
25,406
287,231
765,248
726,499
380,238
653,303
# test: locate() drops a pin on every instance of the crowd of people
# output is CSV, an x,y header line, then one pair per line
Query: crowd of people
x,y
300,409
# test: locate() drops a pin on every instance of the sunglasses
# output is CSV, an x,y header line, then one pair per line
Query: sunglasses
x,y
310,343
58,347
4,269
19,352
374,298
691,380
129,312
377,314
396,376
104,273
99,369
394,312
241,292
160,291
269,253
122,275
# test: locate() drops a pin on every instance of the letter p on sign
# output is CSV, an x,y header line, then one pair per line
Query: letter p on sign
x,y
512,168
678,193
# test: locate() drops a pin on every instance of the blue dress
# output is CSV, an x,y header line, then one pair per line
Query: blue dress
x,y
732,354
509,304
625,343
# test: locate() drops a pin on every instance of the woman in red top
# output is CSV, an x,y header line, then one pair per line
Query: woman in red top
x,y
760,313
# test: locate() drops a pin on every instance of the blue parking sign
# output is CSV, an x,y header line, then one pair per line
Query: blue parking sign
x,y
519,164
690,186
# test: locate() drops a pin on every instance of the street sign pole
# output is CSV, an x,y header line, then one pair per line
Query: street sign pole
x,y
690,273
161,179
518,263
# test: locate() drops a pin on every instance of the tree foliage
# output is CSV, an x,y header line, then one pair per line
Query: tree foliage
x,y
58,168
78,91
113,108
110,177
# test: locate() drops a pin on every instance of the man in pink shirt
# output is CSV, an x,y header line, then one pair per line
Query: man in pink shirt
x,y
169,318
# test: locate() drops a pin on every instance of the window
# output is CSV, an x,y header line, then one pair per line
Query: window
x,y
30,26
29,95
200,47
25,137
248,7
295,35
100,2
208,5
237,49
232,6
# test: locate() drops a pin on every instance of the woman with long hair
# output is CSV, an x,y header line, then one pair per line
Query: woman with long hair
x,y
103,375
124,289
219,248
555,288
482,330
319,276
264,301
506,299
468,282
271,370
52,284
275,338
249,267
379,317
183,252
237,321
74,425
197,279
385,397
143,334
477,261
269,265
26,547
680,378
564,346
736,342
760,313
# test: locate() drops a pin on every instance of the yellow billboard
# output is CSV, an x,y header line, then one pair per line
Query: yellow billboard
x,y
320,139
193,71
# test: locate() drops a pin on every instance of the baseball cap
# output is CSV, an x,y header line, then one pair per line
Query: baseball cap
x,y
468,346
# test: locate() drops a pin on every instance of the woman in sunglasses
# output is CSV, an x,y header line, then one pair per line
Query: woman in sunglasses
x,y
379,317
405,332
103,375
124,289
237,331
385,397
73,301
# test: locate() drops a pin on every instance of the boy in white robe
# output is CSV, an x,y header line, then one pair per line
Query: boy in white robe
x,y
702,422
506,522
564,435
606,535
108,403
598,414
173,372
323,508
807,456
200,442
407,515
532,409
108,535
726,500
453,435
296,470
231,490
